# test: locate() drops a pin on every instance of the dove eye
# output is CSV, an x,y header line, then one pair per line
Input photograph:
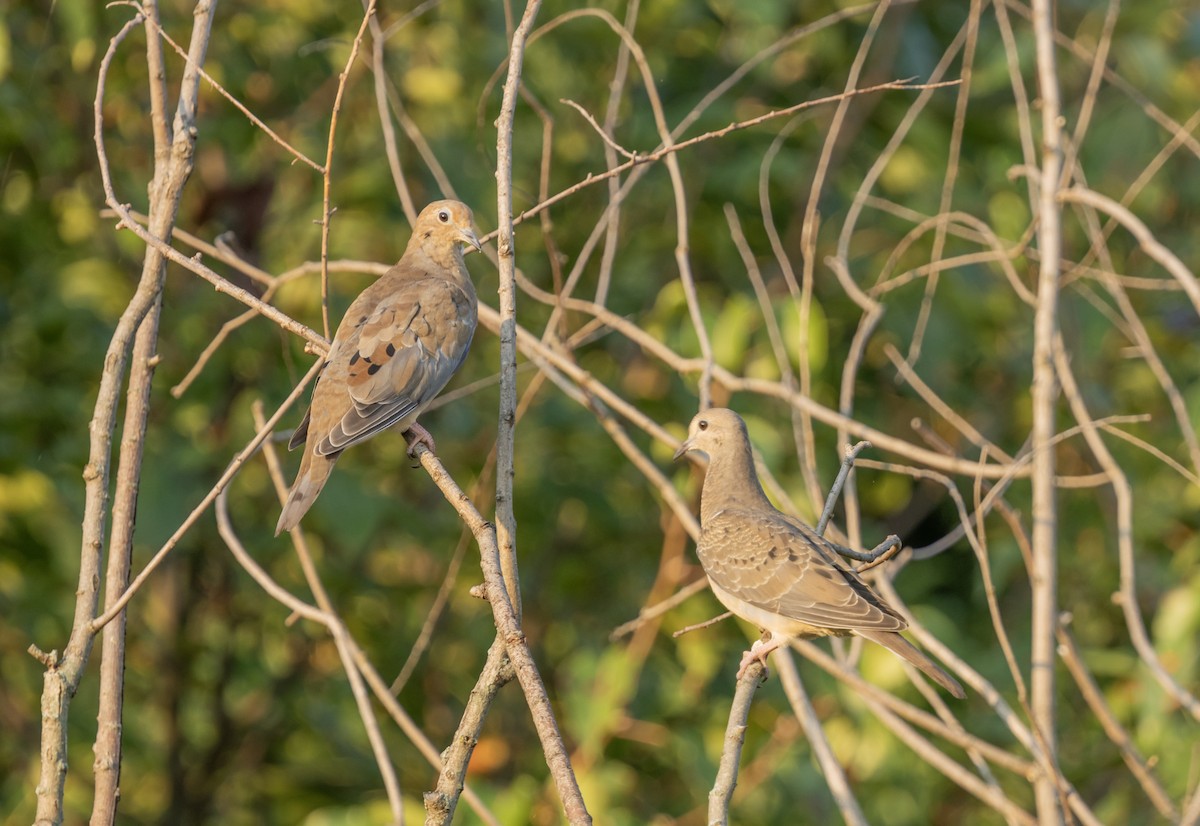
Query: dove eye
x,y
443,216
702,424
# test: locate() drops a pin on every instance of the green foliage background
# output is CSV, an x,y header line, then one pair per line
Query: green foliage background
x,y
234,717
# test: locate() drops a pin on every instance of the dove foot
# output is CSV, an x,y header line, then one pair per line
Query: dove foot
x,y
758,652
417,435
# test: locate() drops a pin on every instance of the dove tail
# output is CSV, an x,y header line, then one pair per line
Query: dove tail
x,y
902,647
314,472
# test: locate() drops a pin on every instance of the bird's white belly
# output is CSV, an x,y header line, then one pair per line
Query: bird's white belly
x,y
768,620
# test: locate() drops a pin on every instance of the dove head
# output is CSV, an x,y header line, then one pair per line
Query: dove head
x,y
441,231
731,480
715,433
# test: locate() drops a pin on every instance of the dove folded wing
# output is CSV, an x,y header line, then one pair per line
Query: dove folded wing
x,y
775,571
399,358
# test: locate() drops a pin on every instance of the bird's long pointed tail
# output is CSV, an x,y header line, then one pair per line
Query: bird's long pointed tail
x,y
902,647
314,473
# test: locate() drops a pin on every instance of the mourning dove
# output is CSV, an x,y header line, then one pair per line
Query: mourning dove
x,y
772,569
398,344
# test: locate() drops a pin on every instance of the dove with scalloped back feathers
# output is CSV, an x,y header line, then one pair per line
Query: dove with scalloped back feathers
x,y
399,343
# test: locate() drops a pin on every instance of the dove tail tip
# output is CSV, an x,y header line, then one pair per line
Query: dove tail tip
x,y
950,684
314,473
900,646
298,503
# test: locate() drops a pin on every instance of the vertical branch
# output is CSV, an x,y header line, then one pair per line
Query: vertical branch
x,y
731,753
327,169
106,766
506,523
1045,393
173,163
500,545
173,167
939,238
443,800
107,748
379,68
809,230
612,232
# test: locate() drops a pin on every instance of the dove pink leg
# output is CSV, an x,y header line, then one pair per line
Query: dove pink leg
x,y
759,651
418,435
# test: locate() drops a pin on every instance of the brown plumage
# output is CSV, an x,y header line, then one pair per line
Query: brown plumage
x,y
772,569
399,343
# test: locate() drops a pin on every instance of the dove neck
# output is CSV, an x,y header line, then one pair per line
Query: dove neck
x,y
731,481
438,258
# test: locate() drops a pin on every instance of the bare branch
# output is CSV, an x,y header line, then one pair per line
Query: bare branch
x,y
1167,259
506,524
1095,700
327,169
1045,395
735,736
508,627
802,707
234,466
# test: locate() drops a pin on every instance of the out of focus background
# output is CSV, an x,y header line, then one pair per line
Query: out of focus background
x,y
879,255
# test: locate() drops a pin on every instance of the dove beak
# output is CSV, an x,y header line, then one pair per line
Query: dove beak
x,y
468,238
683,448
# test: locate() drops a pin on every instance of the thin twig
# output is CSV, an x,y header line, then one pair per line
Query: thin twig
x,y
250,116
1145,238
612,215
230,471
1069,652
948,181
839,482
342,642
831,769
608,141
658,154
658,609
687,629
878,555
327,169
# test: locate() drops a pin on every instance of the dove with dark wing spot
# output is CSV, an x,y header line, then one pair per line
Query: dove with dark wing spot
x,y
772,569
399,343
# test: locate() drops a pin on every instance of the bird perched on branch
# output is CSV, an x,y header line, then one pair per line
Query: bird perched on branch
x,y
399,343
773,570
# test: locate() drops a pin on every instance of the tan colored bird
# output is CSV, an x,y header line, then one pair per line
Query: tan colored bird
x,y
773,570
399,343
